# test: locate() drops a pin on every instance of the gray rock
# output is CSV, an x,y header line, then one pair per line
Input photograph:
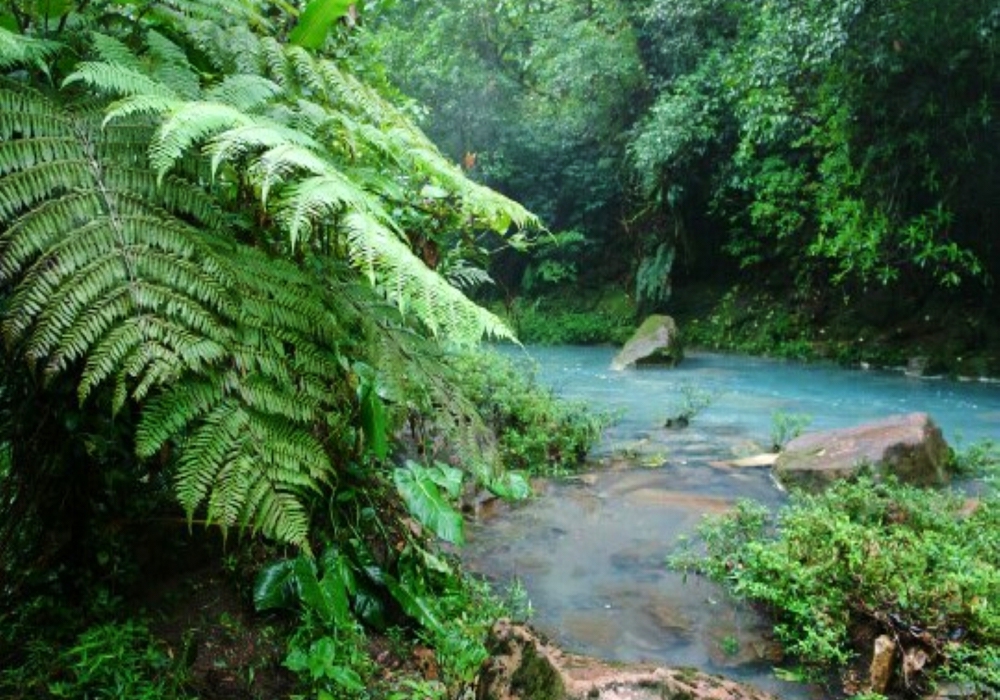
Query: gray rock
x,y
910,446
657,340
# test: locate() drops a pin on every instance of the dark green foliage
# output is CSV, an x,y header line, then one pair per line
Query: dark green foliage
x,y
535,432
426,492
864,559
752,323
123,659
835,139
126,262
212,291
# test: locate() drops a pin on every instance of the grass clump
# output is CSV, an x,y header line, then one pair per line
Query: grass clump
x,y
864,559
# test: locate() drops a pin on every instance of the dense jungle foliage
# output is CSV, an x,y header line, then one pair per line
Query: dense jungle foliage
x,y
231,296
839,158
242,401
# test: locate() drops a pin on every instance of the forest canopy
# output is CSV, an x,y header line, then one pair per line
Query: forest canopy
x,y
825,145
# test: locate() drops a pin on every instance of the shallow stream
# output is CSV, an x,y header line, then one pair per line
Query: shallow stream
x,y
591,552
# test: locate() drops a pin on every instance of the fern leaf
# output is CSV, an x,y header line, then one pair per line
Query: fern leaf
x,y
166,414
116,79
444,309
189,124
111,50
232,144
214,445
19,50
246,92
140,105
171,66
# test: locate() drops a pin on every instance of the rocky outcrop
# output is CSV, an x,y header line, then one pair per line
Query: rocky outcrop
x,y
525,667
656,341
909,446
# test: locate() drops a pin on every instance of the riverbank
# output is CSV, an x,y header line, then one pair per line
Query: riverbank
x,y
942,336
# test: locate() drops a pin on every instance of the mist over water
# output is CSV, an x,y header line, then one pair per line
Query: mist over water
x,y
590,552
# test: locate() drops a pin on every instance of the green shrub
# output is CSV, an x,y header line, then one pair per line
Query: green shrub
x,y
537,325
864,559
752,323
536,431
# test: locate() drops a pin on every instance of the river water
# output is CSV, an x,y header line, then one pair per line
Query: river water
x,y
590,552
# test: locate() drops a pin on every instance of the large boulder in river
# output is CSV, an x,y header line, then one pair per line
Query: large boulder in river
x,y
523,666
910,446
657,340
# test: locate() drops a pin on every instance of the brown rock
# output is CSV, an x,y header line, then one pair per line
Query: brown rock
x,y
883,660
525,667
909,446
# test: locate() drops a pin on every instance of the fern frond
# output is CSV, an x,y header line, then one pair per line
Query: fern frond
x,y
466,276
169,194
111,50
246,92
19,50
129,349
224,13
315,198
116,79
15,155
24,114
278,162
33,185
171,411
442,308
275,63
192,123
213,445
171,66
232,144
140,105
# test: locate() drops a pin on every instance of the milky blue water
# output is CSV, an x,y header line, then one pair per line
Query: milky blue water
x,y
590,551
748,391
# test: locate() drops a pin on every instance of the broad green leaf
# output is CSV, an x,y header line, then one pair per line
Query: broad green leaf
x,y
274,586
369,608
512,485
425,502
307,583
415,605
373,421
335,600
333,563
447,477
315,22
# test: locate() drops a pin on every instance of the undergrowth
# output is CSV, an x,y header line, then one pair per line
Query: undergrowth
x,y
536,431
866,559
572,318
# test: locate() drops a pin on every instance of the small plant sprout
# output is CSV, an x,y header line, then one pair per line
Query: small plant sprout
x,y
692,401
786,427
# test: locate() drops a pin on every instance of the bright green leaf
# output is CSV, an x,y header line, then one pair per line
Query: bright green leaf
x,y
319,16
425,502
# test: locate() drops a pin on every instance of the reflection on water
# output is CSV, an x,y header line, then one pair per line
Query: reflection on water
x,y
591,552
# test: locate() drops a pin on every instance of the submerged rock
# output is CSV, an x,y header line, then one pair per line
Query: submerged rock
x,y
657,341
523,666
910,446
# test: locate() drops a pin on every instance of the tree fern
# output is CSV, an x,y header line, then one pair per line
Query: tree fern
x,y
17,50
138,241
108,277
320,196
